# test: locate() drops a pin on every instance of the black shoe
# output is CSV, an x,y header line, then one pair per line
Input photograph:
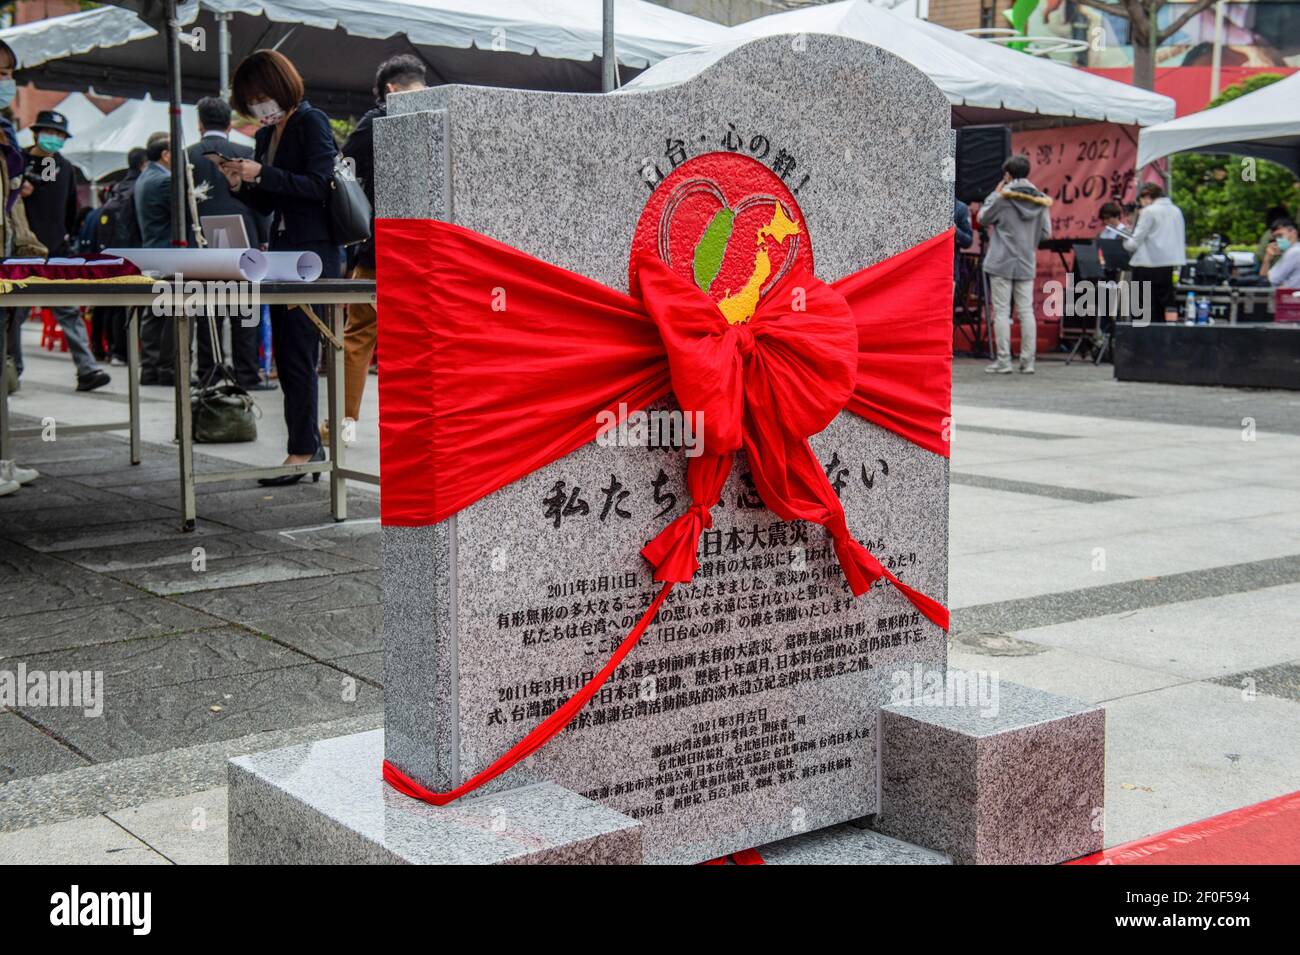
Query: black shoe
x,y
284,480
163,381
92,380
262,386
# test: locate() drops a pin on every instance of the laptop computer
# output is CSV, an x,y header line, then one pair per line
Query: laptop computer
x,y
225,232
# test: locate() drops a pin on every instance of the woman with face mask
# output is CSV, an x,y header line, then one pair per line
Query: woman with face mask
x,y
289,180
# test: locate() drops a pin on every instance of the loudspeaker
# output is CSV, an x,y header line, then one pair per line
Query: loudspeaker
x,y
981,151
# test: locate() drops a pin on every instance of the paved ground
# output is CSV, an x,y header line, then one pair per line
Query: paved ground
x,y
1136,545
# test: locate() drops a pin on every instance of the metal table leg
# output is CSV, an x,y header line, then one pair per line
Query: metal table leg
x,y
185,421
133,378
335,393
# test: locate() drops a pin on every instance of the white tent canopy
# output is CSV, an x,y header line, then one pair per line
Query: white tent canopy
x,y
1264,124
103,147
984,81
337,45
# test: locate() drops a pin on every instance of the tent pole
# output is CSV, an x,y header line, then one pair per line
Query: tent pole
x,y
175,135
608,58
223,52
1216,60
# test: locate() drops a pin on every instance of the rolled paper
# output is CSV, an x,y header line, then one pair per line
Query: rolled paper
x,y
249,265
292,267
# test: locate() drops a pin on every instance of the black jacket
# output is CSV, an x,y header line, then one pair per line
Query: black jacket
x,y
213,194
294,190
52,206
360,148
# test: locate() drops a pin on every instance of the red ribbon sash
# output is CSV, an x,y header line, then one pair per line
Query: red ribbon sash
x,y
496,364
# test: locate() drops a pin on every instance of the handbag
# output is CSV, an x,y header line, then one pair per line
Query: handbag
x,y
350,213
222,412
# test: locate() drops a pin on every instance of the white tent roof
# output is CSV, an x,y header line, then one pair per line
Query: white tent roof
x,y
80,112
102,148
564,29
1265,124
542,44
984,81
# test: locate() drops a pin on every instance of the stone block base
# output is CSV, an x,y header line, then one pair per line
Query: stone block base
x,y
325,803
847,844
1015,779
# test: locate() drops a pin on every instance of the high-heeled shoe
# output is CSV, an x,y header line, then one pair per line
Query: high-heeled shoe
x,y
283,480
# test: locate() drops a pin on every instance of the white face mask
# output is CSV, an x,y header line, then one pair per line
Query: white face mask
x,y
267,112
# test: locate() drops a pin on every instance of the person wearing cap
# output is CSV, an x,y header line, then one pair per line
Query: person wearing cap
x,y
51,209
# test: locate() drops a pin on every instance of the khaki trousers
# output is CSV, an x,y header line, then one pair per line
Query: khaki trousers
x,y
1022,290
359,337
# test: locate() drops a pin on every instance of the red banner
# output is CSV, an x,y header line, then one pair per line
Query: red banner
x,y
1080,167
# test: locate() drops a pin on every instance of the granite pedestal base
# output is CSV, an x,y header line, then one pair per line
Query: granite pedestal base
x,y
848,844
1015,780
325,803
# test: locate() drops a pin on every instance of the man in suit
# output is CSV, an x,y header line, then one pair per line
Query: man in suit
x,y
213,198
153,197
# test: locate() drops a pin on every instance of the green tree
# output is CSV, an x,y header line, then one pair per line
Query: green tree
x,y
1230,195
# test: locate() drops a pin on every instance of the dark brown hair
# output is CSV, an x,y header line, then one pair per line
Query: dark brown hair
x,y
266,73
1017,167
1151,190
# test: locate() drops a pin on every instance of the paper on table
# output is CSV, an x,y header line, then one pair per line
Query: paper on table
x,y
292,267
249,265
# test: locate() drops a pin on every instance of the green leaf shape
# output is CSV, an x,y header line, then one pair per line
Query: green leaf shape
x,y
712,247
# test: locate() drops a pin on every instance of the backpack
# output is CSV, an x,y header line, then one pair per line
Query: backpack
x,y
115,222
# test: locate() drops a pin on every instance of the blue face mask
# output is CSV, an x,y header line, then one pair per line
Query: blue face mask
x,y
1283,243
8,90
50,142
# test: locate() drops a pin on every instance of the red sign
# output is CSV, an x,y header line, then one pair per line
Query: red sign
x,y
1081,167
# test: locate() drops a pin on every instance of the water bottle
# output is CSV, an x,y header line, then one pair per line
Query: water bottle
x,y
1190,312
1203,312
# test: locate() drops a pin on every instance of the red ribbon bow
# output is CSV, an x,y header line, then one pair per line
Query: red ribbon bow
x,y
767,385
520,386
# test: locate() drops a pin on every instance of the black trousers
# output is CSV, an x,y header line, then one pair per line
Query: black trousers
x,y
100,333
115,320
243,342
12,320
296,345
1161,278
157,348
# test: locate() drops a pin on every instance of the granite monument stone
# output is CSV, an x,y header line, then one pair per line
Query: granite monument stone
x,y
749,711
